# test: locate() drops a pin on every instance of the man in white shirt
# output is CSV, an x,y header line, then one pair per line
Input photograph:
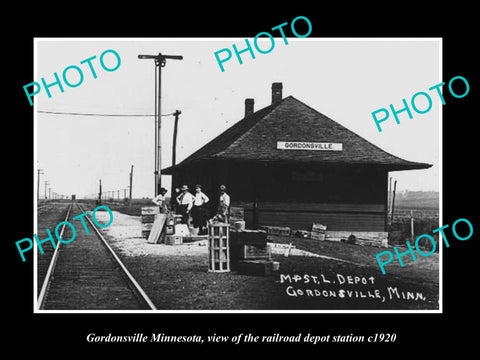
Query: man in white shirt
x,y
199,216
160,201
185,203
224,203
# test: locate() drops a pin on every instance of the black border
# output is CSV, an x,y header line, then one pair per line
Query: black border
x,y
415,332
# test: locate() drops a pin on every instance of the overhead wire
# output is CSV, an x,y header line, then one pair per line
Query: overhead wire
x,y
98,114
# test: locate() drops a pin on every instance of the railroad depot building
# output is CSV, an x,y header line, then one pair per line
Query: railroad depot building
x,y
289,165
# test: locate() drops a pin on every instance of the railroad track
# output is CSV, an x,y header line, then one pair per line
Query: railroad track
x,y
86,274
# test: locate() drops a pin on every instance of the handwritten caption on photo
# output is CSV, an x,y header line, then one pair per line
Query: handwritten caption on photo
x,y
344,287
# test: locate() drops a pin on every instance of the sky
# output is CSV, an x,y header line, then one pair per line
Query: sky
x,y
345,79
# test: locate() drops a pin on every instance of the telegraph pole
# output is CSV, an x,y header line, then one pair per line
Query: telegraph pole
x,y
174,151
160,61
46,183
393,201
174,146
100,192
40,172
131,179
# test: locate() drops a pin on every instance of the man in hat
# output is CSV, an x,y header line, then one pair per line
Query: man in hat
x,y
185,203
224,203
199,218
160,201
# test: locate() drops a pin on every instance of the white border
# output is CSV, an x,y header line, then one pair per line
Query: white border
x,y
35,166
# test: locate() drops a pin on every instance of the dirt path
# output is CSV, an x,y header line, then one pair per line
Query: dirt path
x,y
176,277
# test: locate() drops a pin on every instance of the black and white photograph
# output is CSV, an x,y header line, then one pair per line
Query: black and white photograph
x,y
265,185
212,181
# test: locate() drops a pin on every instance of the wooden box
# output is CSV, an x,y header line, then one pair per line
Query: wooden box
x,y
317,236
319,228
256,267
173,240
218,248
177,219
250,237
169,229
256,252
182,230
147,219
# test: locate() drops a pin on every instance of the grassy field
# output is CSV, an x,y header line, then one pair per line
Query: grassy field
x,y
121,206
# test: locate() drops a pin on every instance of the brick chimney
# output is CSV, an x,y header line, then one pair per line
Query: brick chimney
x,y
276,92
249,106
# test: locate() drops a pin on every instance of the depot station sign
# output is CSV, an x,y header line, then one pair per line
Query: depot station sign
x,y
300,145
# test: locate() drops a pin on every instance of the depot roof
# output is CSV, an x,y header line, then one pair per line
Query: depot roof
x,y
256,137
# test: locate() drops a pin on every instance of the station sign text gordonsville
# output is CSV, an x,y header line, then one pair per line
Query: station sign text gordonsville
x,y
300,145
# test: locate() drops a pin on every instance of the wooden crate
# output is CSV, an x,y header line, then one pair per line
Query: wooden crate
x,y
173,240
169,229
177,219
319,228
256,267
250,237
256,252
317,236
149,218
182,230
218,248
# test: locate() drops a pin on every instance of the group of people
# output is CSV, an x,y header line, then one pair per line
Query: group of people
x,y
195,205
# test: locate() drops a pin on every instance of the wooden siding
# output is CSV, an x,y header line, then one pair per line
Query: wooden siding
x,y
344,198
300,216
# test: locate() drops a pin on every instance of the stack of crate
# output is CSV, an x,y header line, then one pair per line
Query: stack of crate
x,y
249,252
318,232
175,231
170,224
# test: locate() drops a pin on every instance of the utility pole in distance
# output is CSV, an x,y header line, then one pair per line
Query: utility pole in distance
x,y
40,172
131,180
100,192
160,61
174,152
46,183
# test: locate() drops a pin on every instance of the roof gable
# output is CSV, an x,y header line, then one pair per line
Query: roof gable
x,y
255,138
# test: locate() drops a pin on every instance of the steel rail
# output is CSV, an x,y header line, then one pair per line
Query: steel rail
x,y
51,266
137,286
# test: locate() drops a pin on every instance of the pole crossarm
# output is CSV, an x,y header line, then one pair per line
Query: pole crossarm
x,y
160,59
